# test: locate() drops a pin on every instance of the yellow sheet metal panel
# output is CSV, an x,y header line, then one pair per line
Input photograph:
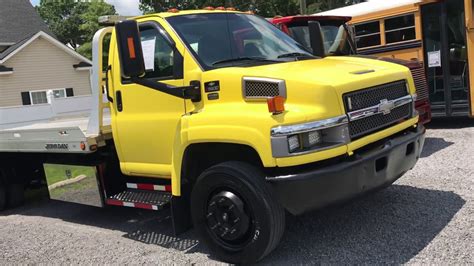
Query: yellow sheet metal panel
x,y
154,129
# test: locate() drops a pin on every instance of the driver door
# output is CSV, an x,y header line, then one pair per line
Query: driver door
x,y
146,120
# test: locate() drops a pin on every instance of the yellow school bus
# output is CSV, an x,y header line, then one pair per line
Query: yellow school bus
x,y
439,33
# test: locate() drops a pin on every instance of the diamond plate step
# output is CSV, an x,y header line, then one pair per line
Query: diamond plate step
x,y
143,199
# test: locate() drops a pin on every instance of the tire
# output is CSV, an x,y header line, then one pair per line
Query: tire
x,y
230,192
15,195
3,198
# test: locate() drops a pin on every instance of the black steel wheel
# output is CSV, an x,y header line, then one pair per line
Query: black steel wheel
x,y
236,213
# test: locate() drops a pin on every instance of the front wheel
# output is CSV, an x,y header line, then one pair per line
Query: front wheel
x,y
236,213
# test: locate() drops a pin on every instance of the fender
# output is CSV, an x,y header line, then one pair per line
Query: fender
x,y
221,134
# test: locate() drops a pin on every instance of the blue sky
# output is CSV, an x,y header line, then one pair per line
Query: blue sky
x,y
123,7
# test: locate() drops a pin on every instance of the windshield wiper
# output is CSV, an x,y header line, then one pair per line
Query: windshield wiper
x,y
238,59
296,55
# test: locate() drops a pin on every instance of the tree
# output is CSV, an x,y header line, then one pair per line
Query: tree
x,y
266,8
74,22
63,20
261,7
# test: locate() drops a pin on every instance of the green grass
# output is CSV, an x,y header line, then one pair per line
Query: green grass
x,y
62,192
56,173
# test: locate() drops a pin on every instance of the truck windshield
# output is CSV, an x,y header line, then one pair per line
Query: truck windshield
x,y
230,39
335,37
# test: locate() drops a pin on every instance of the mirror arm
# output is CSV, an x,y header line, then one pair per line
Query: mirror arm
x,y
191,92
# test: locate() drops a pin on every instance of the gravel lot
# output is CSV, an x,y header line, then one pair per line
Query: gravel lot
x,y
426,217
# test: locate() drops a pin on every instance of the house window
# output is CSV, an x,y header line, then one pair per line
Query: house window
x,y
41,97
38,97
400,29
60,93
368,34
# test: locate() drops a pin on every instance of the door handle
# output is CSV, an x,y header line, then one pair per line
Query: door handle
x,y
118,99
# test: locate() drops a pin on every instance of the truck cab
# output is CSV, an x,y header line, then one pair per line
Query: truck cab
x,y
232,123
338,39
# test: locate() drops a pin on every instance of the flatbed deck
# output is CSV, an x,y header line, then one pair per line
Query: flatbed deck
x,y
63,135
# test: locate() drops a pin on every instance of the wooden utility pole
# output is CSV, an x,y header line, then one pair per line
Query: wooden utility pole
x,y
302,7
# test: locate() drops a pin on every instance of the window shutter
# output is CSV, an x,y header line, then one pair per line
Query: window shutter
x,y
25,97
69,92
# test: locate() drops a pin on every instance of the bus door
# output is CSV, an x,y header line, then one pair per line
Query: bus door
x,y
446,60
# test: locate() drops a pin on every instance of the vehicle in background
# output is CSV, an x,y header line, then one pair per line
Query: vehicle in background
x,y
229,122
338,40
437,33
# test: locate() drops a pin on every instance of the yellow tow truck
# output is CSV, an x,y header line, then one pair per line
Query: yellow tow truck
x,y
228,120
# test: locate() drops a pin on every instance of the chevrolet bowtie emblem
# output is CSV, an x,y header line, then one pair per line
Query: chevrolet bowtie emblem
x,y
385,106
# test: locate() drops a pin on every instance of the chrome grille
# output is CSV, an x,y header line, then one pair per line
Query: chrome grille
x,y
262,88
421,85
372,96
377,107
362,127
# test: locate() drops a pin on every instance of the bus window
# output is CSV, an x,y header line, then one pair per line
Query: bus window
x,y
368,34
400,29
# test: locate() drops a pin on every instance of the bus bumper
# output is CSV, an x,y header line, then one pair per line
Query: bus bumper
x,y
363,172
424,110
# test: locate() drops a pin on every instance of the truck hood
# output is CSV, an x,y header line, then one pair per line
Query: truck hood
x,y
344,74
316,83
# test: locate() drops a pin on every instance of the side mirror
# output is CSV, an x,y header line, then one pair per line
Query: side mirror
x,y
130,49
316,38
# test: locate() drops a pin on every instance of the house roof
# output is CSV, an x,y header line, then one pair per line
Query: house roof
x,y
24,43
12,48
368,7
18,20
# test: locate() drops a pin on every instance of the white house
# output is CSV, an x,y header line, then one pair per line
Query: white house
x,y
40,77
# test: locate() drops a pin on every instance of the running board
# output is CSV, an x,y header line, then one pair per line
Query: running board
x,y
142,199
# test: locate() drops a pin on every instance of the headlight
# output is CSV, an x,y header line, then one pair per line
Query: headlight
x,y
313,138
294,143
309,137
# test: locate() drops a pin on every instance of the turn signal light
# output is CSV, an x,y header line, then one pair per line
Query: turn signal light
x,y
131,48
276,105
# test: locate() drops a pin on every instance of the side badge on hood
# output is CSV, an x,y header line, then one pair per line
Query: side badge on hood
x,y
212,86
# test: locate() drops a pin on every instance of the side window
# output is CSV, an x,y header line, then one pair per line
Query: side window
x,y
400,29
158,54
368,34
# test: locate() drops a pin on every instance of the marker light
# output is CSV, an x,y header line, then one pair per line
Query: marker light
x,y
276,105
208,8
231,9
131,48
173,10
221,8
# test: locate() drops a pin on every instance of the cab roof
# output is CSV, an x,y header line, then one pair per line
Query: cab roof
x,y
188,12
